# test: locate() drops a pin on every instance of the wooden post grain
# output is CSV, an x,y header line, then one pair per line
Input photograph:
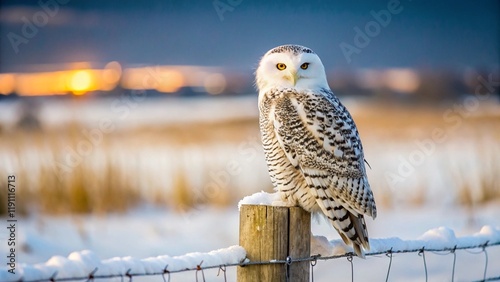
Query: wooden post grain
x,y
274,233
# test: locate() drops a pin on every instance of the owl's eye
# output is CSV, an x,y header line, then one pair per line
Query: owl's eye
x,y
304,66
280,66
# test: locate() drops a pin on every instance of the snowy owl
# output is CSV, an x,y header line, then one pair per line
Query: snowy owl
x,y
312,147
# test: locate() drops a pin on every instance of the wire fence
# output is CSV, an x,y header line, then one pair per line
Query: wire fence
x,y
199,270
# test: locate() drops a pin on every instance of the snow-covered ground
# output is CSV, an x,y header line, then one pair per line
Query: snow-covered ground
x,y
129,112
148,232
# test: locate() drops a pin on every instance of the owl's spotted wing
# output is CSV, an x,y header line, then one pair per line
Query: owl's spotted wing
x,y
319,139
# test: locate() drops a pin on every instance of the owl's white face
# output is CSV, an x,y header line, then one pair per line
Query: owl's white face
x,y
288,66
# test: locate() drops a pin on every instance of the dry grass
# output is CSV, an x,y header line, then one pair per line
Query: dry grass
x,y
466,162
115,175
171,165
485,186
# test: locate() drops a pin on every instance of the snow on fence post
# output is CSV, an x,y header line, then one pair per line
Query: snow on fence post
x,y
274,233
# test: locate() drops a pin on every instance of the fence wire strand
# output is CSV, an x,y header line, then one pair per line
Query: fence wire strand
x,y
422,254
313,260
485,261
313,264
454,263
389,254
223,269
349,259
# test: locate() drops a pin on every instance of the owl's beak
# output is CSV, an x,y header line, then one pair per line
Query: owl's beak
x,y
294,76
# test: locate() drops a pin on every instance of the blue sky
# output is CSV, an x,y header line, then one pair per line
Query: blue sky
x,y
235,33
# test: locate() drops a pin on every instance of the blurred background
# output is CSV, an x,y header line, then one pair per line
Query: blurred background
x,y
151,100
112,106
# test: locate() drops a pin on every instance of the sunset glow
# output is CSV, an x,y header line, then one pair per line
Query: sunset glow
x,y
78,80
7,82
81,82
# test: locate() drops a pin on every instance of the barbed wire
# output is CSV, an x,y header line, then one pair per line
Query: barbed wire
x,y
222,269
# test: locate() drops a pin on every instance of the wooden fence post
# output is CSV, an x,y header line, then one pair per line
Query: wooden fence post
x,y
267,233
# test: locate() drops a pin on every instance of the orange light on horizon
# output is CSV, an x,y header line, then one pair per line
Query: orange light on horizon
x,y
45,83
81,78
162,79
77,82
110,76
81,81
402,80
7,83
170,81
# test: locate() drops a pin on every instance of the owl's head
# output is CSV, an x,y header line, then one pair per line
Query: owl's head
x,y
291,66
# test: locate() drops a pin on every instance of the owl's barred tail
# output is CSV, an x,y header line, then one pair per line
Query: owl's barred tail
x,y
361,241
355,233
350,225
